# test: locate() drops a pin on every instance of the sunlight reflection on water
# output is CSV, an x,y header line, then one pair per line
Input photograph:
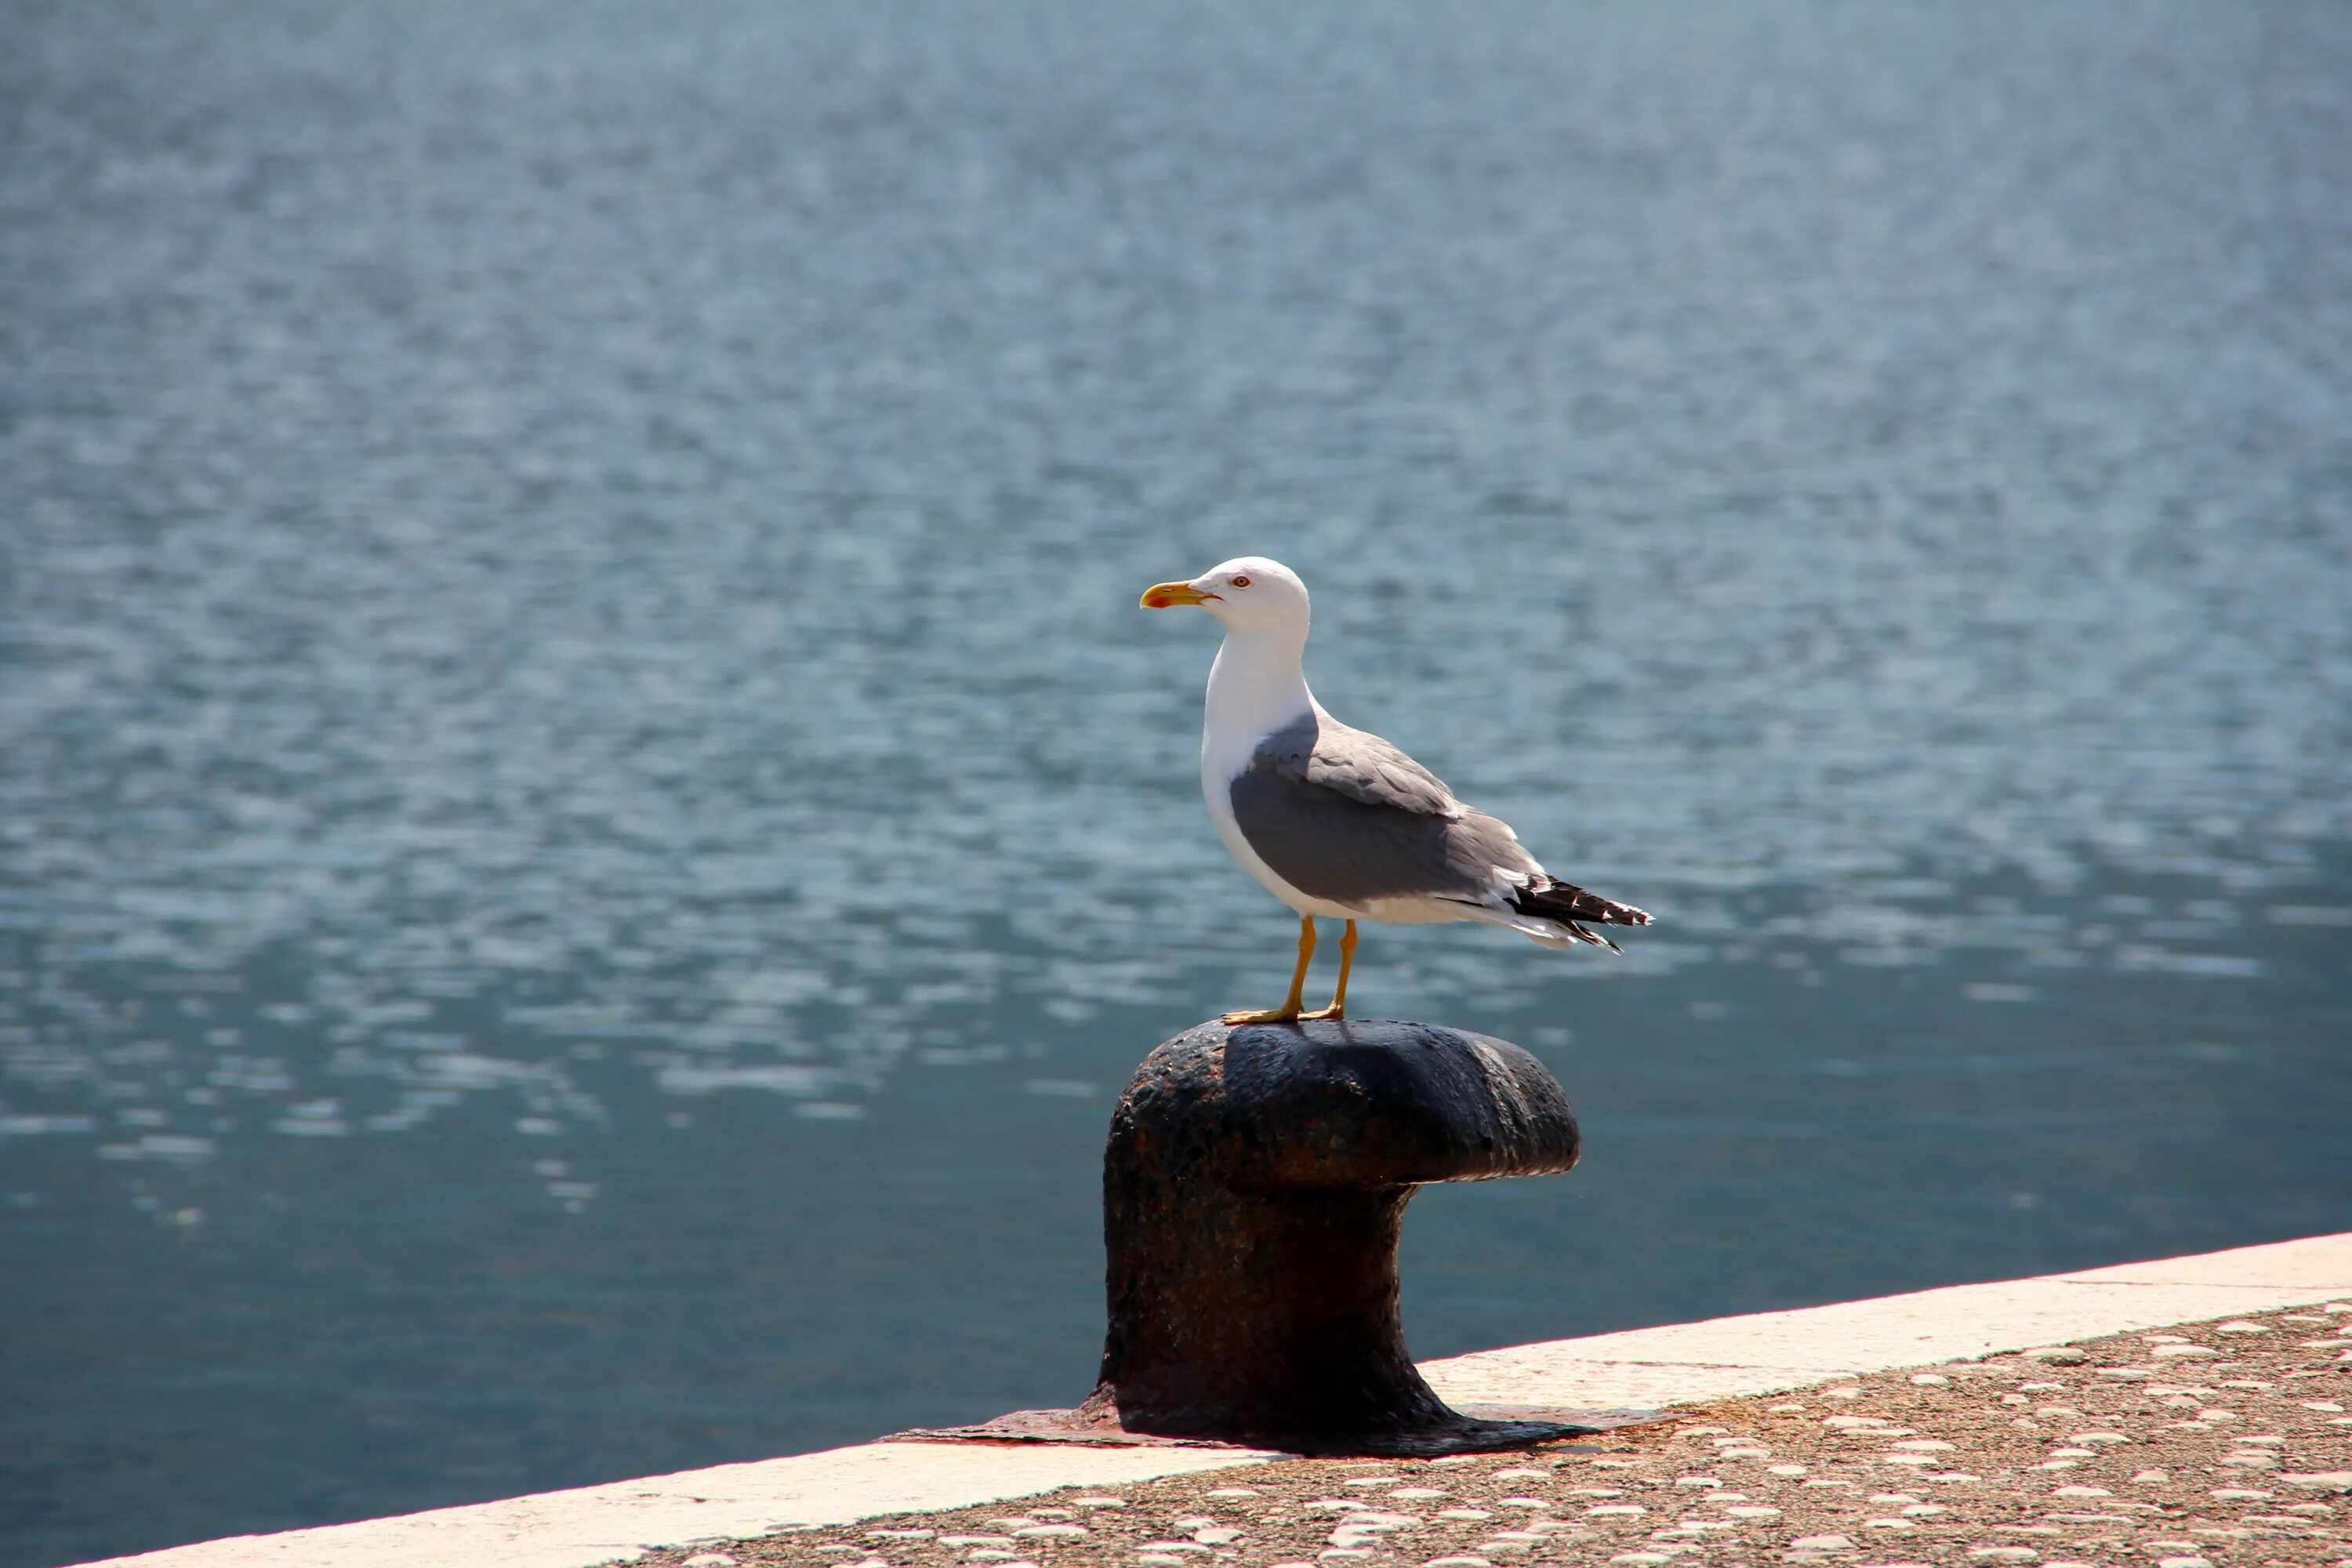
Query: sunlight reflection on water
x,y
568,630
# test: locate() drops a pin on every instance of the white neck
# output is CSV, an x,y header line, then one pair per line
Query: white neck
x,y
1255,688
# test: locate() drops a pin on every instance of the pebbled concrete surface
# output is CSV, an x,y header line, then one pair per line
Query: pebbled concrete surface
x,y
2221,1444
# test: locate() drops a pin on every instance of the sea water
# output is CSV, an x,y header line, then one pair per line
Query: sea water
x,y
589,824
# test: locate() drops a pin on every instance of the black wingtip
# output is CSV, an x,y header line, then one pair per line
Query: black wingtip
x,y
1585,933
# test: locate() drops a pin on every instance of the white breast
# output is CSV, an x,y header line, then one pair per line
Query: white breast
x,y
1255,688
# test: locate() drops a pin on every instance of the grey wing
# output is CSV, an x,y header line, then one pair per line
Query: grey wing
x,y
1358,764
1342,814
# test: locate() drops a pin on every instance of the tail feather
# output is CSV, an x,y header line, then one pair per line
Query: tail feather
x,y
1545,898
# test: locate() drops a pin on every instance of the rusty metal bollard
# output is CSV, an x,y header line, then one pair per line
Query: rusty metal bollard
x,y
1253,1190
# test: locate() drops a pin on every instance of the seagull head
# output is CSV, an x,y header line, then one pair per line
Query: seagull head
x,y
1248,593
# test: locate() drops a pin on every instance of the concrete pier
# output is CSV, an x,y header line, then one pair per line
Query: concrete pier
x,y
1678,1364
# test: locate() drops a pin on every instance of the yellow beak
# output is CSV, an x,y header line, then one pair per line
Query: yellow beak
x,y
1165,595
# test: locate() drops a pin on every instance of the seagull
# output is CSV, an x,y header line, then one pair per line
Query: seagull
x,y
1337,822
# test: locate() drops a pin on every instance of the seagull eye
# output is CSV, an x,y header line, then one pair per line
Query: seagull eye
x,y
1241,582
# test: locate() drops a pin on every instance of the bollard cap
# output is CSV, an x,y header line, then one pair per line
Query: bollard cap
x,y
1377,1103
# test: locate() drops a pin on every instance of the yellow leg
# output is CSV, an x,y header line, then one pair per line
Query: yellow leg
x,y
1339,1007
1288,1011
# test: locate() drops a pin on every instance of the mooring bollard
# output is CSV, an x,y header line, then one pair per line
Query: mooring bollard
x,y
1253,1190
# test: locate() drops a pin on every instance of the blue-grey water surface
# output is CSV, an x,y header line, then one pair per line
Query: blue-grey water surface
x,y
588,823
